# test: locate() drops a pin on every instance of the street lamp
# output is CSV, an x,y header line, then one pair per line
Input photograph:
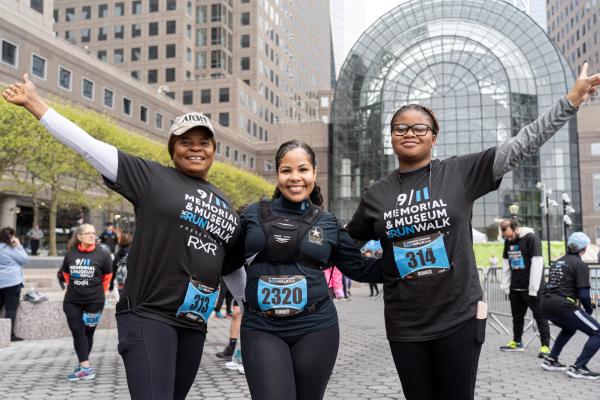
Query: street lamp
x,y
513,209
567,209
547,192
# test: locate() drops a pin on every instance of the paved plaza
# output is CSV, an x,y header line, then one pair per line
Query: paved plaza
x,y
364,370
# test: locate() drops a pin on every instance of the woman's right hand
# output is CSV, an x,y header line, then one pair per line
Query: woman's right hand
x,y
14,242
25,94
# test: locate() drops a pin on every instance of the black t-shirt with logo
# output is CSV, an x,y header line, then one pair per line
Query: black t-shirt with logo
x,y
86,270
423,221
519,253
184,228
566,275
327,243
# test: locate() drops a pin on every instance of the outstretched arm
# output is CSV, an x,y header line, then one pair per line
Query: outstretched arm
x,y
531,137
102,156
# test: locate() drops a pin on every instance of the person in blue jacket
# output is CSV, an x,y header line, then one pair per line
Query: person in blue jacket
x,y
12,259
290,326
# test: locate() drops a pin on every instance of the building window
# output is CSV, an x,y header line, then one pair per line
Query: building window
x,y
269,165
136,53
215,35
201,14
9,53
87,89
172,96
227,151
126,106
119,9
170,74
188,97
64,78
38,66
223,95
102,55
200,37
152,52
224,118
171,5
86,12
205,96
136,30
215,12
170,51
109,97
153,6
103,11
158,121
215,59
136,7
153,29
135,75
37,5
219,148
152,75
201,60
596,192
245,41
245,63
102,33
595,149
70,14
188,31
245,18
86,35
119,31
118,56
171,27
143,114
252,166
55,15
235,155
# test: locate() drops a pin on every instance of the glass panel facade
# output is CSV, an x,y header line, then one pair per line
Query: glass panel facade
x,y
486,69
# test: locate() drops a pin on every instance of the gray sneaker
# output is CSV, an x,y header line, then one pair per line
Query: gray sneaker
x,y
551,364
582,373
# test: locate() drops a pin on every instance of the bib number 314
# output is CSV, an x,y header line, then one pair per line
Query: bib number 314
x,y
421,257
198,303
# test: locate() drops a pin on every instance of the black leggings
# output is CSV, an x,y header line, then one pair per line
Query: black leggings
x,y
297,367
441,369
519,302
83,336
161,361
9,298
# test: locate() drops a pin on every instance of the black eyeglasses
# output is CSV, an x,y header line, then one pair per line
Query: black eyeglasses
x,y
418,129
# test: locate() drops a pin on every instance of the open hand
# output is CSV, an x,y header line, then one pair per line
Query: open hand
x,y
584,87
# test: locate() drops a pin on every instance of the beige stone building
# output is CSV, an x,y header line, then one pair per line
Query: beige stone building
x,y
575,28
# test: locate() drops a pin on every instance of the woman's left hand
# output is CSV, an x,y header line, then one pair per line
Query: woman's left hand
x,y
584,87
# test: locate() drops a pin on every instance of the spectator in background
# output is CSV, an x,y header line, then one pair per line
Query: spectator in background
x,y
12,259
109,237
372,286
35,236
334,283
119,266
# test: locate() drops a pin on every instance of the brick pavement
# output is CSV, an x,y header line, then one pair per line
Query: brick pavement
x,y
364,369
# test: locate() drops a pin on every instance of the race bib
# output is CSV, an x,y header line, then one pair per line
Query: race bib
x,y
421,256
282,295
199,302
91,320
515,260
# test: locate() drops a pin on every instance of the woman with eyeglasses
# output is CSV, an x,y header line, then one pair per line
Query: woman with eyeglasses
x,y
421,213
87,271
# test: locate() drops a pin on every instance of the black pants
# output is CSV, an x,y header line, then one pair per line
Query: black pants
x,y
373,286
571,319
226,295
441,369
83,336
9,298
297,367
35,245
161,361
519,302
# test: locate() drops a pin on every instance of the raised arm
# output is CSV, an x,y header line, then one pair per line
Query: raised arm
x,y
531,137
102,156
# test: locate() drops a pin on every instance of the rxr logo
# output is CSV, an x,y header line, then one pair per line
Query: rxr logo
x,y
198,244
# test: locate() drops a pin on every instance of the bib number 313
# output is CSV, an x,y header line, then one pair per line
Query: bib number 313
x,y
198,303
421,257
282,295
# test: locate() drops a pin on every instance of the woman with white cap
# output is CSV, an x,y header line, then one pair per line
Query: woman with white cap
x,y
569,281
185,229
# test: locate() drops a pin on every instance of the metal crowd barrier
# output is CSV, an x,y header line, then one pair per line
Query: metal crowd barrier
x,y
499,314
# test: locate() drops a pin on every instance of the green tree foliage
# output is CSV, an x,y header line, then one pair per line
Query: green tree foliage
x,y
43,167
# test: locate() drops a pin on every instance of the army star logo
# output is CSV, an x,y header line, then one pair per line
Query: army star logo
x,y
315,235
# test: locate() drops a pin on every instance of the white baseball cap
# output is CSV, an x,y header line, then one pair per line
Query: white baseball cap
x,y
185,122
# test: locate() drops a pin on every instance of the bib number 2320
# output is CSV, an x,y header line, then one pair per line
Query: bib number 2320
x,y
198,303
422,256
282,295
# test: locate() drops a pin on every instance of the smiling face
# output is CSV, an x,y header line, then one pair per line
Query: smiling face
x,y
413,151
296,176
194,152
88,236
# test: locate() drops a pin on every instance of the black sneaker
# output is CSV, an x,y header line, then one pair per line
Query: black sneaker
x,y
582,373
227,352
551,364
16,339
